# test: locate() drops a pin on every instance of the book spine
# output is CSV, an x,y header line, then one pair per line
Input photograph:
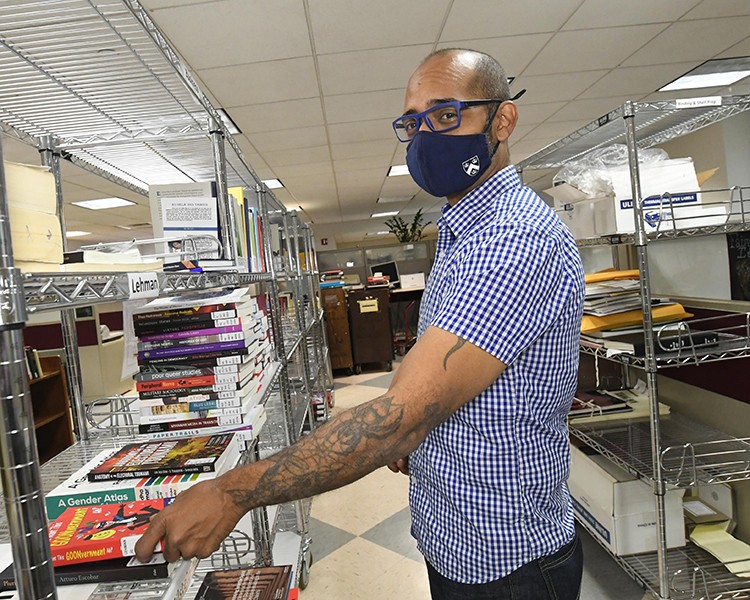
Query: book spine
x,y
243,433
166,487
219,358
194,341
175,325
153,415
191,425
213,407
175,335
230,388
173,384
182,470
166,379
189,350
88,576
185,311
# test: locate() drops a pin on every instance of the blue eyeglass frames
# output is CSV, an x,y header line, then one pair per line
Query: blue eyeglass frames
x,y
440,118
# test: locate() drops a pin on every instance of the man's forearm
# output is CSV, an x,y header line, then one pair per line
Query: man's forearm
x,y
346,448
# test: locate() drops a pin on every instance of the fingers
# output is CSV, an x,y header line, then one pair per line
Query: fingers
x,y
400,466
144,547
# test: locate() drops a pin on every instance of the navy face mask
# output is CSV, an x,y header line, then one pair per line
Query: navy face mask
x,y
444,164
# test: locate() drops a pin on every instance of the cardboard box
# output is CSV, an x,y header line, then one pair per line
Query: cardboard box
x,y
579,218
619,508
658,218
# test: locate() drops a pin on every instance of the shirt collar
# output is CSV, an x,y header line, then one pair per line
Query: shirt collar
x,y
472,206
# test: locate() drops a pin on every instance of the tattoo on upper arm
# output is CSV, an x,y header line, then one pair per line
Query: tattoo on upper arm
x,y
453,350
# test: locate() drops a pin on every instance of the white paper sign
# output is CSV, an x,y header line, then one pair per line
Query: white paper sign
x,y
698,102
143,285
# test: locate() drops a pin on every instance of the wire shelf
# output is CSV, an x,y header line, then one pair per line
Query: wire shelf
x,y
655,123
693,573
691,454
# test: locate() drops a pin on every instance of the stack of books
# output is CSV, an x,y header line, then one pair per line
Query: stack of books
x,y
330,279
256,583
203,363
97,515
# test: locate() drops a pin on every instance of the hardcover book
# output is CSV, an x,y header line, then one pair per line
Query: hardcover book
x,y
172,457
249,583
97,533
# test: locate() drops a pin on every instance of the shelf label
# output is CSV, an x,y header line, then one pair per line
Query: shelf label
x,y
368,306
143,285
698,102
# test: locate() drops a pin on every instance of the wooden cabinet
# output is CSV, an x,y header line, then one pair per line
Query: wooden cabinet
x,y
337,327
370,321
51,408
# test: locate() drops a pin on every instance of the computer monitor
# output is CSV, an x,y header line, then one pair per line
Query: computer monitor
x,y
389,269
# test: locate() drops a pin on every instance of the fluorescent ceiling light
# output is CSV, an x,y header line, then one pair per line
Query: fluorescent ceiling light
x,y
389,213
394,199
273,184
397,170
228,121
75,234
103,203
712,73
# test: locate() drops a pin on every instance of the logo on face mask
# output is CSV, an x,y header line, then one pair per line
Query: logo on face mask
x,y
471,166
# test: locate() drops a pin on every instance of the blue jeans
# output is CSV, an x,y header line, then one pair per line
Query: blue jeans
x,y
554,577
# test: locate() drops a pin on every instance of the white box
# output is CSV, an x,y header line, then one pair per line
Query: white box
x,y
675,177
619,508
579,218
414,281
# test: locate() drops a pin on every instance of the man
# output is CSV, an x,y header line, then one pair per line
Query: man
x,y
478,405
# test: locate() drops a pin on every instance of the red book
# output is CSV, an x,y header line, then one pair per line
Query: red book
x,y
171,384
94,533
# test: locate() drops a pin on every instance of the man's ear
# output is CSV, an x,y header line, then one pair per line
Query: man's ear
x,y
505,121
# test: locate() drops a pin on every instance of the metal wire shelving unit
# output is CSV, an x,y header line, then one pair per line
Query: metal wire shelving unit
x,y
667,451
95,84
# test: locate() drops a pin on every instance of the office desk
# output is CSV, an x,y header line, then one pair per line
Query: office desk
x,y
411,297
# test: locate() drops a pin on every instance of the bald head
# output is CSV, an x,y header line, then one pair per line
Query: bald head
x,y
487,76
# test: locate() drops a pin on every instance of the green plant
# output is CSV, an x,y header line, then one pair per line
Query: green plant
x,y
407,232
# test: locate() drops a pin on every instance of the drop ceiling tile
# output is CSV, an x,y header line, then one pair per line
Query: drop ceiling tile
x,y
299,156
557,88
595,13
323,168
399,187
363,149
349,108
636,81
556,130
381,24
537,113
472,19
371,176
377,129
289,139
364,163
711,9
741,49
262,82
520,131
278,115
369,70
524,149
691,41
675,94
235,32
513,52
590,49
587,110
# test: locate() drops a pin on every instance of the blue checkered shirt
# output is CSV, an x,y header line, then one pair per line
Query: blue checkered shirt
x,y
488,489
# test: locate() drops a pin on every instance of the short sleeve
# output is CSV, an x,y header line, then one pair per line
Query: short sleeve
x,y
507,291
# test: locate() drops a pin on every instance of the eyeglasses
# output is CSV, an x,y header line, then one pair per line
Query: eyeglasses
x,y
440,118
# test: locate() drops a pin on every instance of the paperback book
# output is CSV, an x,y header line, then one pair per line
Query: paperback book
x,y
198,340
78,491
245,432
203,454
190,333
200,349
212,358
95,533
191,323
249,583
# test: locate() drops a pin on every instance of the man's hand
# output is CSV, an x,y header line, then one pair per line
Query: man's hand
x,y
194,525
400,466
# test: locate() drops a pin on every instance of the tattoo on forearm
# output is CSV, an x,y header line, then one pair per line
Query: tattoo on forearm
x,y
330,458
456,348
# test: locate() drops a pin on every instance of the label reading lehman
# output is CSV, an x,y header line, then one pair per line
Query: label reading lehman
x,y
143,285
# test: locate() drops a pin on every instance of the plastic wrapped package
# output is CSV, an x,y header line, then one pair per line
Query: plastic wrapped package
x,y
590,174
